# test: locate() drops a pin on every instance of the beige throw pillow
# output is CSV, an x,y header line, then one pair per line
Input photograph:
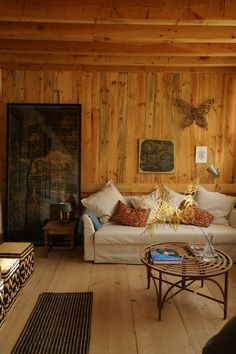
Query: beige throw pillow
x,y
149,202
103,202
146,201
218,204
174,197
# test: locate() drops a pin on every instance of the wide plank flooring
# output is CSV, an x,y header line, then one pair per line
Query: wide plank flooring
x,y
124,319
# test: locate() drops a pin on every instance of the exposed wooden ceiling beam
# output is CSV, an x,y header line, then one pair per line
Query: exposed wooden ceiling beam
x,y
106,33
168,12
110,68
139,22
100,60
117,33
99,48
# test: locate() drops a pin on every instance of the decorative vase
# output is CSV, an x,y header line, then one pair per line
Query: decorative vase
x,y
209,250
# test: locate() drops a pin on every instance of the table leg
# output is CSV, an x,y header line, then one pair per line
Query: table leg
x,y
46,243
226,296
148,277
72,243
159,296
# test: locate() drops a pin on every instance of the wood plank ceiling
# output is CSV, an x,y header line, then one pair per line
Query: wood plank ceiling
x,y
177,34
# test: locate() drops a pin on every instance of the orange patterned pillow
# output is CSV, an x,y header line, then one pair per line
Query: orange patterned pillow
x,y
192,215
129,216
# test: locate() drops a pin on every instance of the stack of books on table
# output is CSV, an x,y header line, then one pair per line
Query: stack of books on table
x,y
164,255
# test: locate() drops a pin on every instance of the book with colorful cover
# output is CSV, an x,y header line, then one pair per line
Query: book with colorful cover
x,y
164,255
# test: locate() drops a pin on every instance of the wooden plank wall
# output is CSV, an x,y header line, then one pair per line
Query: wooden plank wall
x,y
119,108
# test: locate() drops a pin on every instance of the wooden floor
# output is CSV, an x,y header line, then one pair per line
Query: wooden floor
x,y
124,318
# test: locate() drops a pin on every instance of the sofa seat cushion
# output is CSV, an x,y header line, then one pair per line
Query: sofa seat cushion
x,y
112,233
124,244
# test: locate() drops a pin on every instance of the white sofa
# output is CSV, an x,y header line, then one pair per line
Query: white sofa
x,y
116,243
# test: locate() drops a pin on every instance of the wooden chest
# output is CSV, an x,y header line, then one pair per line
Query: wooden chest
x,y
24,251
2,309
11,280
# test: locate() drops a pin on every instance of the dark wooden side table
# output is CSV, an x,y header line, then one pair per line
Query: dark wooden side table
x,y
57,228
190,270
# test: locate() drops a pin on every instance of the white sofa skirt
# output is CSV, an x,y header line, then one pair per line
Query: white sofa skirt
x,y
115,243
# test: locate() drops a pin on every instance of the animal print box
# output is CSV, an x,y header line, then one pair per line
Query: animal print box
x,y
2,310
24,251
11,280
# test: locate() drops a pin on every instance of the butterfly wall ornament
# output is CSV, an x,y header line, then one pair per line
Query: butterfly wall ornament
x,y
197,114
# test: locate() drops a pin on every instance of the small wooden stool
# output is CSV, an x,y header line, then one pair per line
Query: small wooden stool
x,y
2,309
24,251
11,281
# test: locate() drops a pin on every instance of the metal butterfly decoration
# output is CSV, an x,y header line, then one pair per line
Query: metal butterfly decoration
x,y
197,114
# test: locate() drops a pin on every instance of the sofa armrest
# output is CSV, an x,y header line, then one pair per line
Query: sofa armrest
x,y
89,232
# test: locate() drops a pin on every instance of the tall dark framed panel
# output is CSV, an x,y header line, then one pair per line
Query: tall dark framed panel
x,y
43,166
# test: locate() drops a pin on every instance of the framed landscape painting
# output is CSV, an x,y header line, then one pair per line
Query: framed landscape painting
x,y
156,155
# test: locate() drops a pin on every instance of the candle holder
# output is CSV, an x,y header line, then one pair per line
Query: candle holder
x,y
64,212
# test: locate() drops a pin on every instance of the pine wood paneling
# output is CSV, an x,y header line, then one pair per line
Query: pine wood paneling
x,y
119,108
122,127
95,122
34,90
86,126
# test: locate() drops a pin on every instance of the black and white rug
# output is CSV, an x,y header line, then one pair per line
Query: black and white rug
x,y
60,323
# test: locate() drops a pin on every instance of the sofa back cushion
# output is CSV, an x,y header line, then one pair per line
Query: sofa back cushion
x,y
232,218
103,202
174,197
218,204
146,201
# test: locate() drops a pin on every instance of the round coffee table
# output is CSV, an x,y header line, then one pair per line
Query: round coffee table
x,y
190,270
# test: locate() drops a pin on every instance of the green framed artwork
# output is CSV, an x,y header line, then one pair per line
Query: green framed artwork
x,y
156,156
43,167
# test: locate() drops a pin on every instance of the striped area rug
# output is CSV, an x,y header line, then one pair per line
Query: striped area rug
x,y
60,323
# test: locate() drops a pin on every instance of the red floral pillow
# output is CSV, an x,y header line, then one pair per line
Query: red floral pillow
x,y
192,215
129,216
